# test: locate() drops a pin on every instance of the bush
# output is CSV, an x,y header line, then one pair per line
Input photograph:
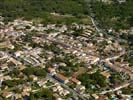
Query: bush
x,y
35,71
95,78
29,9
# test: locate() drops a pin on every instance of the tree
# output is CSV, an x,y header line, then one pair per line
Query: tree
x,y
114,15
30,9
95,78
8,83
45,93
98,79
28,71
116,78
14,72
35,71
127,90
40,72
78,32
31,97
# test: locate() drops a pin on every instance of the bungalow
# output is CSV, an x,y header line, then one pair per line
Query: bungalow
x,y
95,96
7,94
3,66
80,89
26,88
106,74
42,82
7,77
18,53
54,89
16,62
59,88
24,93
121,1
33,77
74,80
51,71
6,44
18,96
66,92
21,67
61,78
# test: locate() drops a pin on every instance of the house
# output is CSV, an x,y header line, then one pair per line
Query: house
x,y
66,92
26,88
89,67
18,96
42,82
33,77
106,74
3,55
80,89
7,94
7,77
61,92
62,64
18,53
51,71
59,98
106,1
25,93
103,97
59,88
92,59
1,80
61,78
54,89
16,62
121,1
95,96
6,44
21,67
74,80
3,67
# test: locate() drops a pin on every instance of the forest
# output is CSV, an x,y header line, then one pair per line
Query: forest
x,y
29,9
114,15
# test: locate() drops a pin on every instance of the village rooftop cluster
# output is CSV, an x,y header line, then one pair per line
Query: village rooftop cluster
x,y
61,62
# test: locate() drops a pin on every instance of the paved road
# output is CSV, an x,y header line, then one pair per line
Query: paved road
x,y
88,54
94,22
65,86
117,88
71,90
101,31
64,45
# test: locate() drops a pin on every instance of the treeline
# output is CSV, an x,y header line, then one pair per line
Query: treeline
x,y
118,16
29,9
